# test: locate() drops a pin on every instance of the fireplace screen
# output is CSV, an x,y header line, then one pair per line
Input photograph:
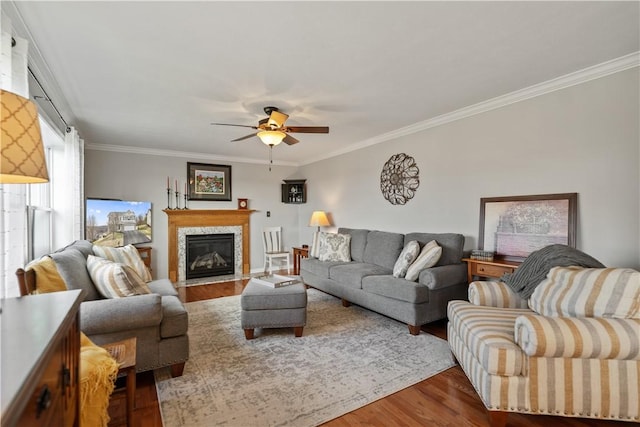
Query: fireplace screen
x,y
209,255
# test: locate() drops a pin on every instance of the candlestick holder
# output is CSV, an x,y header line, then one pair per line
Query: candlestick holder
x,y
168,198
177,200
185,201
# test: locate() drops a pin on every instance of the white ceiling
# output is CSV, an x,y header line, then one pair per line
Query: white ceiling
x,y
154,75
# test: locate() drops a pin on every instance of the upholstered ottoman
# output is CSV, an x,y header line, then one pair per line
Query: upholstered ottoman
x,y
265,307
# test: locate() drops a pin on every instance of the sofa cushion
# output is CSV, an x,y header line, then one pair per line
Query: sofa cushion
x,y
317,267
358,242
175,320
383,248
127,255
452,245
115,280
396,288
588,292
351,274
162,287
72,266
489,333
406,258
429,256
84,246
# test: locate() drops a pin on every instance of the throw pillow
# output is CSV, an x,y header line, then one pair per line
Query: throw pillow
x,y
48,278
115,280
335,247
428,257
314,249
588,292
127,255
406,258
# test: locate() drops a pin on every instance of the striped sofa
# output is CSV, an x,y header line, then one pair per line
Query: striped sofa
x,y
572,349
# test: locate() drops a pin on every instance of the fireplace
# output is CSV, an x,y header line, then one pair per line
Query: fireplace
x,y
184,222
209,255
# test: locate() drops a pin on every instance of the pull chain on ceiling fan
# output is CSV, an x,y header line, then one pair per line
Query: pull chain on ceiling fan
x,y
272,130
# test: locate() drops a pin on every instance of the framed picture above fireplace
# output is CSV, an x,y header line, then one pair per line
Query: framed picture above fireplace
x,y
513,227
209,182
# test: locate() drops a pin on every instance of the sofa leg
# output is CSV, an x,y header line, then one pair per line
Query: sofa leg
x,y
414,330
248,334
345,303
497,418
177,370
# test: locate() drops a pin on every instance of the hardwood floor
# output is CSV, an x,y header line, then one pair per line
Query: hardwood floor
x,y
446,399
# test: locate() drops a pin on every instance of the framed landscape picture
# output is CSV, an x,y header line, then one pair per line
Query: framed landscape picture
x,y
513,227
209,182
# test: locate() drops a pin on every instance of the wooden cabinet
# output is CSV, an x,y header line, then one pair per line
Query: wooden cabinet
x,y
490,269
294,191
40,357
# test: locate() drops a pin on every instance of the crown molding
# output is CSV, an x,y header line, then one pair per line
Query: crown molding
x,y
186,154
578,77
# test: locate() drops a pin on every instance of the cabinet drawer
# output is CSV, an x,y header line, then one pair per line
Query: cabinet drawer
x,y
492,270
45,404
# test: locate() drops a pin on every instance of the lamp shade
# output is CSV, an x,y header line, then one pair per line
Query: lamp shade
x,y
271,137
21,149
319,219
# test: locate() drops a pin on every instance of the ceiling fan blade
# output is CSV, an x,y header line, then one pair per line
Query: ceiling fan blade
x,y
243,137
229,124
277,119
289,140
308,129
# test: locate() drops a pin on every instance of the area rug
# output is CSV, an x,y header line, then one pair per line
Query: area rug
x,y
346,358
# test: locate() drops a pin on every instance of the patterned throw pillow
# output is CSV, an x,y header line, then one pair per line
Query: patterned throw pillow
x,y
406,258
588,292
335,247
115,280
428,257
127,255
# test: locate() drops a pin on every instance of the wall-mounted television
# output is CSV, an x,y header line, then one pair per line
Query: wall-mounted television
x,y
115,223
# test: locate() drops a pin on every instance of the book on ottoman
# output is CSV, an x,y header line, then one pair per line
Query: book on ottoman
x,y
275,280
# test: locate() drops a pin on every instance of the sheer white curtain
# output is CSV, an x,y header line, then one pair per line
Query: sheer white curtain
x,y
13,242
74,179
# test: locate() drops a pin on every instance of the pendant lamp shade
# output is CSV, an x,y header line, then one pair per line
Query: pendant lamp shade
x,y
271,137
21,149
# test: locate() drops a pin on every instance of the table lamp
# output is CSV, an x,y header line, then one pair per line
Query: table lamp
x,y
319,219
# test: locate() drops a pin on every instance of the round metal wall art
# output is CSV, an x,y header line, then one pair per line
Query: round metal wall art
x,y
399,179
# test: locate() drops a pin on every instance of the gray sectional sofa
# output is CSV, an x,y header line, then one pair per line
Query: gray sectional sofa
x,y
367,279
158,320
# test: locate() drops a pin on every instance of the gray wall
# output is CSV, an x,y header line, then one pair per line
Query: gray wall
x,y
582,139
129,176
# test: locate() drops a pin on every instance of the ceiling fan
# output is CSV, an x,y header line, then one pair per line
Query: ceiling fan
x,y
272,130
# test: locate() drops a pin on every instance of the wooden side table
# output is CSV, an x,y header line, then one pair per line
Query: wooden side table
x,y
298,253
494,269
125,354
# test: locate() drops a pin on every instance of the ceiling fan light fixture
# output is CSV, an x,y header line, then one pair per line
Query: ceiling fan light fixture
x,y
271,137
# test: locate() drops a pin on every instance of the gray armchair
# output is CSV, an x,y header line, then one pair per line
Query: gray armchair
x,y
158,320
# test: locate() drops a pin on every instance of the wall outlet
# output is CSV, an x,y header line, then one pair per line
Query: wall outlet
x,y
268,214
